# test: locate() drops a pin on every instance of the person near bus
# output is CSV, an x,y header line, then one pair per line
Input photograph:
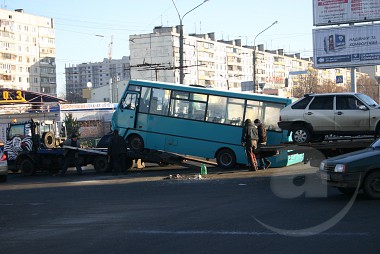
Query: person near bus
x,y
249,139
117,151
71,155
262,132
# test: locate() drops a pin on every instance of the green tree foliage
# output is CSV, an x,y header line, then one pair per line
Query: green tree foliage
x,y
72,125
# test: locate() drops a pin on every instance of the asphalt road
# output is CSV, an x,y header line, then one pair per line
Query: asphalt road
x,y
276,211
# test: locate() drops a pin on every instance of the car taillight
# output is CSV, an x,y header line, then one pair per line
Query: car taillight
x,y
3,157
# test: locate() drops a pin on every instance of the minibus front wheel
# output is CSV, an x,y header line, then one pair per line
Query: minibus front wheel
x,y
135,142
226,158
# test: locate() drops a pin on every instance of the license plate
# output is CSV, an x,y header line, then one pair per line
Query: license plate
x,y
324,176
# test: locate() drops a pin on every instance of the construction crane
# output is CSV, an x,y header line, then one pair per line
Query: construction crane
x,y
110,48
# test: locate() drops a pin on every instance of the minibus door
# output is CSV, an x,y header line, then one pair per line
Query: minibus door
x,y
127,111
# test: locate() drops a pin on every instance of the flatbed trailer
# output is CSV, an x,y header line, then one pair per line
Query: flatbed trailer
x,y
318,151
31,147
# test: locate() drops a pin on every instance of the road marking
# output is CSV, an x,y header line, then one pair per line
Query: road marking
x,y
243,233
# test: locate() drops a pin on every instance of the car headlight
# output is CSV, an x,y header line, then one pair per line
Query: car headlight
x,y
340,168
322,166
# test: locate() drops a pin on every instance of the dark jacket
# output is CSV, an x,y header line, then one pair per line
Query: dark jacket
x,y
262,132
117,145
249,134
71,152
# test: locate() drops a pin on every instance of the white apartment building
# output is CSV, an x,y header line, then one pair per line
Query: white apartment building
x,y
217,63
27,52
105,74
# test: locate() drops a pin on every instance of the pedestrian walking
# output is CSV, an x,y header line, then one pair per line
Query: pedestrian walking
x,y
117,151
262,133
249,139
72,155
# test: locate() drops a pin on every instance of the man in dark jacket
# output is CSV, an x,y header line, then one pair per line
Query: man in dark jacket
x,y
117,150
262,132
72,155
249,139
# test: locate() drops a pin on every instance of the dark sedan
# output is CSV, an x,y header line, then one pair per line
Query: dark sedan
x,y
360,168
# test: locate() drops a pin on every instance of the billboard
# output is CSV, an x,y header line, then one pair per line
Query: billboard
x,y
330,12
348,46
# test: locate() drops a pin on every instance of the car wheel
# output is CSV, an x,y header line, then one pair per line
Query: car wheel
x,y
226,159
136,143
301,135
101,164
27,167
371,185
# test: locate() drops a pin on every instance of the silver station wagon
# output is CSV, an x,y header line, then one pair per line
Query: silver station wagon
x,y
316,115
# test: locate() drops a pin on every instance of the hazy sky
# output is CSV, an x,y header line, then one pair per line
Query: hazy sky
x,y
78,22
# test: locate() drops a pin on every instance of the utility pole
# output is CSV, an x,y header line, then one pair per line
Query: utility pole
x,y
255,84
111,86
181,74
110,46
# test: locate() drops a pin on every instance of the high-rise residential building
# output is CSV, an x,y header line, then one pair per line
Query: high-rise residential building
x,y
27,52
218,63
94,75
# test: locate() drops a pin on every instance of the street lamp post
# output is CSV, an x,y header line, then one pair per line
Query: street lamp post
x,y
181,75
255,87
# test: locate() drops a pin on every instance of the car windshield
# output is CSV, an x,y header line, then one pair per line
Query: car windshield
x,y
368,100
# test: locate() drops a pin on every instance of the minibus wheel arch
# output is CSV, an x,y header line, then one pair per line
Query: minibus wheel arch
x,y
135,142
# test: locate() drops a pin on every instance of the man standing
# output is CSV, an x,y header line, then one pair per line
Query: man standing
x,y
117,150
72,155
249,139
262,132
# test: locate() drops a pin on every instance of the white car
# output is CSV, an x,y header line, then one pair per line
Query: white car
x,y
316,115
3,165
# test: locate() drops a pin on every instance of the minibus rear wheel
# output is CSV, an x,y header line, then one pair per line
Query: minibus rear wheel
x,y
226,158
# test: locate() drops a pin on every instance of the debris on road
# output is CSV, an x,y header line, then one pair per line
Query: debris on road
x,y
180,177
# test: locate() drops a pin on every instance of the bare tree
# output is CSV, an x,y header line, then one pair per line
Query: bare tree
x,y
369,87
329,86
308,83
